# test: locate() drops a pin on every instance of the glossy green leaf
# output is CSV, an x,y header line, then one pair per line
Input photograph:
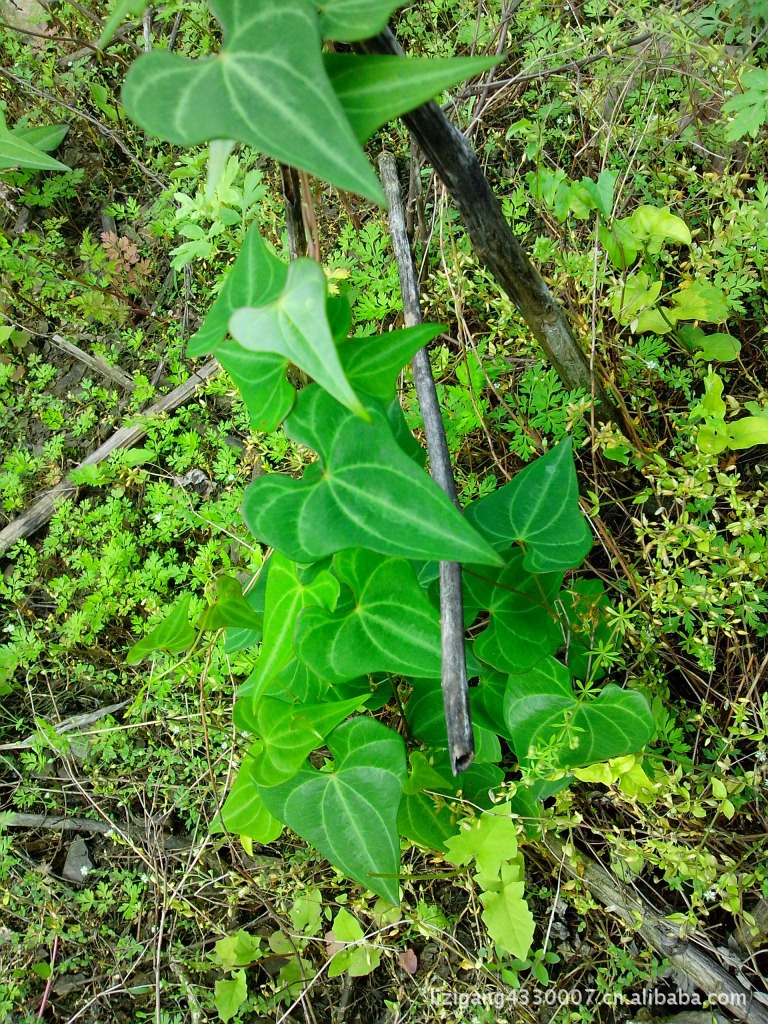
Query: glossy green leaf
x,y
714,348
364,492
295,326
286,596
386,625
15,152
426,720
538,509
583,730
700,301
375,89
257,277
290,732
523,627
244,812
46,137
349,20
350,813
486,701
238,950
240,639
174,634
236,94
230,608
373,365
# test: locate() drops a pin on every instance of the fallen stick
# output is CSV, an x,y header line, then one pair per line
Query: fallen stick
x,y
682,951
43,508
113,373
461,743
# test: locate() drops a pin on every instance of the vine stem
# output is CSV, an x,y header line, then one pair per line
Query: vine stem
x,y
458,722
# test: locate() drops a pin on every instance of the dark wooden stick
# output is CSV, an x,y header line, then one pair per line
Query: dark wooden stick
x,y
493,241
43,508
461,744
294,220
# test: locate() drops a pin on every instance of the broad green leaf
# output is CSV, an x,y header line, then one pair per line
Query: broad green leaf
x,y
230,609
620,242
711,406
637,293
15,152
47,137
120,10
350,813
260,379
714,348
538,509
653,226
244,812
387,625
508,919
267,88
747,432
257,278
583,730
350,20
602,191
174,634
290,732
375,89
230,994
364,492
486,700
524,625
426,720
701,301
295,326
286,596
373,365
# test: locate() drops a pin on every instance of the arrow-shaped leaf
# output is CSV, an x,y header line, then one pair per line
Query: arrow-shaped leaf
x,y
244,812
541,708
350,20
174,634
375,89
267,88
286,596
350,814
15,152
230,608
290,732
46,137
373,365
538,509
295,326
364,492
523,626
388,625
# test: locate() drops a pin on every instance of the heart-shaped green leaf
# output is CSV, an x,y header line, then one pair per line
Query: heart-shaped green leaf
x,y
174,634
365,492
244,813
286,596
542,710
538,509
290,732
230,608
523,626
295,326
257,277
349,20
373,365
350,814
375,89
267,88
386,625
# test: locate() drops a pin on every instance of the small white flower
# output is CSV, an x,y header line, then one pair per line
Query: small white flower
x,y
710,894
651,364
158,517
84,870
